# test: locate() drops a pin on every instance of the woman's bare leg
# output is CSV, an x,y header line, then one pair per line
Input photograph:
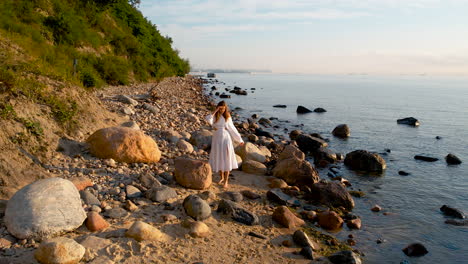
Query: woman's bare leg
x,y
221,176
226,177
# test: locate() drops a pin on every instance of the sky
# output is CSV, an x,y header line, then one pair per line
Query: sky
x,y
318,36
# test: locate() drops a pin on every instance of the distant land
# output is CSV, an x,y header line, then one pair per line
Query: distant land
x,y
232,70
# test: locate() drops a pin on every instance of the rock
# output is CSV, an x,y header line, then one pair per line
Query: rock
x,y
376,208
302,110
345,257
262,133
95,222
233,196
201,139
319,110
308,143
415,250
128,111
452,212
123,145
199,229
116,213
150,108
193,174
354,223
237,213
250,195
286,218
279,197
452,159
278,183
456,222
130,206
89,198
293,134
160,194
184,146
252,138
141,231
331,194
307,252
7,241
44,208
132,192
265,151
171,136
280,106
249,151
365,161
324,154
59,250
411,121
303,240
425,158
196,207
149,181
264,122
330,220
131,124
82,183
253,234
239,161
207,195
403,173
254,167
192,118
127,100
342,131
291,151
296,172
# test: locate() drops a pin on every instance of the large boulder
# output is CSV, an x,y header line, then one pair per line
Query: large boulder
x,y
254,167
330,220
341,131
160,194
303,110
331,194
43,209
123,145
452,159
59,250
196,207
249,151
291,151
365,161
201,139
286,218
295,171
309,143
141,231
184,146
193,174
324,154
410,121
345,257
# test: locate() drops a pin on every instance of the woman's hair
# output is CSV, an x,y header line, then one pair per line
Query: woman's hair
x,y
226,113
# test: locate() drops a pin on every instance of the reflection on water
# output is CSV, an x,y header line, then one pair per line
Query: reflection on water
x,y
370,106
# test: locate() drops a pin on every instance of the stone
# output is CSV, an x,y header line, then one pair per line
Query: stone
x,y
130,206
239,161
160,194
411,121
280,106
131,124
237,213
303,110
44,208
116,213
294,134
331,194
249,151
341,131
307,252
265,151
252,138
132,192
365,161
171,136
94,222
127,100
456,222
233,196
296,172
309,143
82,183
425,158
303,240
452,159
320,110
128,111
150,108
196,207
184,146
201,139
250,195
278,183
354,223
345,257
376,208
89,198
7,241
199,229
193,174
254,167
141,231
291,151
403,173
59,250
123,145
330,220
278,196
207,195
415,250
253,234
286,218
149,181
264,122
450,211
263,133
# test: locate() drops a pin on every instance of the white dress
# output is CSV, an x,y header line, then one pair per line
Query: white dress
x,y
222,155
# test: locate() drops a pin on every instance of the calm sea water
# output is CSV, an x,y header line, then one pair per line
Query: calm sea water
x,y
371,105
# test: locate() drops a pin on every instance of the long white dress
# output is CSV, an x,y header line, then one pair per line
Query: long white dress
x,y
222,155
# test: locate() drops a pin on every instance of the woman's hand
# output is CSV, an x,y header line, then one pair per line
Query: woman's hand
x,y
241,144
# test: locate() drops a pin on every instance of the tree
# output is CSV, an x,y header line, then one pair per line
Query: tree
x,y
135,3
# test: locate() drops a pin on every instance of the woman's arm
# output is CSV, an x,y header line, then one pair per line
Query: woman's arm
x,y
210,118
233,131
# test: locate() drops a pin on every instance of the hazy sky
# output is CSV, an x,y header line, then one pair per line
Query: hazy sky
x,y
318,36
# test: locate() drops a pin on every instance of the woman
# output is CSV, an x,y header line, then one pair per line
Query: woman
x,y
222,156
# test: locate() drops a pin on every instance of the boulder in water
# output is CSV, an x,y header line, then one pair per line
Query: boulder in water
x,y
331,194
411,121
452,159
302,110
342,131
415,250
450,211
425,158
365,161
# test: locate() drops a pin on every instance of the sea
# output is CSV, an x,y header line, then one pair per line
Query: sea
x,y
370,105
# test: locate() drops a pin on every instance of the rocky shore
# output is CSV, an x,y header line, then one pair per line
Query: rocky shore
x,y
151,196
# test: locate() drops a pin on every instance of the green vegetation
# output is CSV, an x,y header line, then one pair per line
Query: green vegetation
x,y
328,244
47,45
